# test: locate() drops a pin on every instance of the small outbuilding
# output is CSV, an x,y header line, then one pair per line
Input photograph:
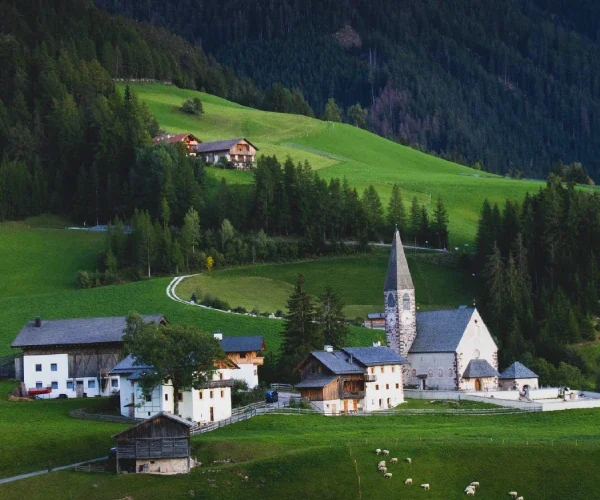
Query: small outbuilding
x,y
158,445
517,377
480,376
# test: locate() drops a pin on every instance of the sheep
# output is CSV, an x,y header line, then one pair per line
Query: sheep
x,y
469,488
513,494
409,460
386,452
520,498
378,451
425,486
383,469
394,461
475,484
408,481
382,462
470,492
388,474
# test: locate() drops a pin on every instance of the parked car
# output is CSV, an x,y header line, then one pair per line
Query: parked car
x,y
112,453
271,396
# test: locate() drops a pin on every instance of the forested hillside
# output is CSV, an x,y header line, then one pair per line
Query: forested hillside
x,y
511,84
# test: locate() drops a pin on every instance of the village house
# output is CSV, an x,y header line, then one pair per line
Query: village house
x,y
189,140
240,152
375,321
210,402
517,377
246,353
353,379
72,357
158,445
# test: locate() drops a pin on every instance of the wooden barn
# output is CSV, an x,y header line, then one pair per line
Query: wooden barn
x,y
158,445
189,140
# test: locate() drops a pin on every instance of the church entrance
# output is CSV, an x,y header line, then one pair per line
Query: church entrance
x,y
477,384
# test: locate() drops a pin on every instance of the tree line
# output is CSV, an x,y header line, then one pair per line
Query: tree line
x,y
539,277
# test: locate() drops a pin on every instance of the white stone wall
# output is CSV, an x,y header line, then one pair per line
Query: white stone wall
x,y
518,384
387,391
329,407
440,365
164,465
400,324
487,384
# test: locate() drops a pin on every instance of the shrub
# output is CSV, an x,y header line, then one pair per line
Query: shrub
x,y
279,313
240,310
84,280
255,311
192,106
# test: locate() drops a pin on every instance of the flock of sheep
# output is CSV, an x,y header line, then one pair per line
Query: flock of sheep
x,y
469,490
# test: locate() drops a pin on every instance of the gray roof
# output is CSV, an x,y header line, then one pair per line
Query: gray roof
x,y
375,356
316,381
75,331
478,368
398,275
337,362
375,315
128,365
168,415
225,145
243,343
517,370
441,331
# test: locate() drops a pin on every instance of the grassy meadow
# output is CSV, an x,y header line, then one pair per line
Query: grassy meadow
x,y
339,150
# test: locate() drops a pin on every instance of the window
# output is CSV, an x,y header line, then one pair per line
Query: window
x,y
54,385
222,394
476,354
53,367
166,397
38,368
211,394
406,302
70,384
414,372
319,369
220,375
200,394
382,369
180,396
397,386
114,382
91,384
450,372
148,397
430,372
441,372
391,302
242,355
376,387
393,369
387,386
38,385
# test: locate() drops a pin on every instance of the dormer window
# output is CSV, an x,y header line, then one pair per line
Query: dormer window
x,y
406,302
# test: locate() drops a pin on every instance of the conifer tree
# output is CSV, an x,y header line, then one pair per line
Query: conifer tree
x,y
331,319
415,218
440,224
396,213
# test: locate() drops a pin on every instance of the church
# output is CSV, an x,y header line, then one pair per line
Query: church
x,y
445,349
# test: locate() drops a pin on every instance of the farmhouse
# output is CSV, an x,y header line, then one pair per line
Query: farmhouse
x,y
353,379
72,357
209,403
191,141
445,349
158,445
246,353
241,152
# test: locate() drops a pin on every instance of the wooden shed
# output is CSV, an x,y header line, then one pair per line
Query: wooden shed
x,y
158,445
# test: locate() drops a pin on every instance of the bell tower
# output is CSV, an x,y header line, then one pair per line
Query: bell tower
x,y
399,297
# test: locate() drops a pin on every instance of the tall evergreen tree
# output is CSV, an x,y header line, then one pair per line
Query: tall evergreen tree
x,y
331,319
396,213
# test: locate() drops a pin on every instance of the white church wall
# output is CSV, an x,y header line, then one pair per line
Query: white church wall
x,y
517,384
439,365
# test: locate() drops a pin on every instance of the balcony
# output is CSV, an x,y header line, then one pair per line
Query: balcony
x,y
370,377
353,395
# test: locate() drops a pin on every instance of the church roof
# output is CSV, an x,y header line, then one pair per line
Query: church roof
x,y
441,331
398,276
517,370
478,368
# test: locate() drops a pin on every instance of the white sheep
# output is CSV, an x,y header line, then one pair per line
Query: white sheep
x,y
394,460
520,498
409,460
383,469
469,488
470,492
425,486
388,474
408,481
386,452
381,464
475,484
378,451
513,494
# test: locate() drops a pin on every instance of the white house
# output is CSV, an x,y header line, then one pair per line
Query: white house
x,y
517,377
210,403
246,353
445,349
72,357
353,379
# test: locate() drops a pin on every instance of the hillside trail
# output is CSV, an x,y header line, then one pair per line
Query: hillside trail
x,y
53,469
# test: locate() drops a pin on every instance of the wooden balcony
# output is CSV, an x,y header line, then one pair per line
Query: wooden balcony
x,y
370,377
353,395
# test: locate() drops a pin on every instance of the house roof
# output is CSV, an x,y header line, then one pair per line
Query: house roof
x,y
398,276
478,368
243,343
517,370
441,331
225,145
337,362
76,331
128,365
375,315
172,138
165,414
316,381
375,356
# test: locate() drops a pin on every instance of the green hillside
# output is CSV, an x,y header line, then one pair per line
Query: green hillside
x,y
339,150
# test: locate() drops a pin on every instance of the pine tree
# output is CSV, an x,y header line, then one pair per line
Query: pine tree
x,y
423,235
440,224
396,213
494,288
190,234
331,319
373,210
415,218
145,239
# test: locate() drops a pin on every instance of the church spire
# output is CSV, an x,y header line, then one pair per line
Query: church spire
x,y
398,276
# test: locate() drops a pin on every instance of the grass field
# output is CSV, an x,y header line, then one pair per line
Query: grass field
x,y
542,456
339,150
358,279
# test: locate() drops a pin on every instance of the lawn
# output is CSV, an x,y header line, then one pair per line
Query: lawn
x,y
544,456
358,279
441,404
339,150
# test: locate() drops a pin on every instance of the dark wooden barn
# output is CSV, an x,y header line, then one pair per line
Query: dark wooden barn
x,y
158,445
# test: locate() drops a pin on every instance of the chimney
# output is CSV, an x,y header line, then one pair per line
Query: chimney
x,y
328,348
218,335
376,343
38,322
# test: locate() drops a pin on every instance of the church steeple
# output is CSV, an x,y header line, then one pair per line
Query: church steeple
x,y
399,296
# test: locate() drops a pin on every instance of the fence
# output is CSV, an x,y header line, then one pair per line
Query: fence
x,y
90,468
282,387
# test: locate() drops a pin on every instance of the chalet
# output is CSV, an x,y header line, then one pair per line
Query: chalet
x,y
240,152
246,353
158,445
209,403
353,379
72,357
191,141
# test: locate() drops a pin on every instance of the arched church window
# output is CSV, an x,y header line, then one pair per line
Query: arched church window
x,y
391,302
406,302
430,373
441,372
476,354
450,372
